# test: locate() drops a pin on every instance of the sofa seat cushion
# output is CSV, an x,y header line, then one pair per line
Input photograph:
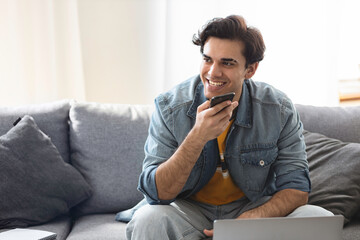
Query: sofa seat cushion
x,y
36,185
351,231
107,145
97,226
334,173
52,118
60,225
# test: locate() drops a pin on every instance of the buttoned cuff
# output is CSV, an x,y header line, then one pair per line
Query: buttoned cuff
x,y
299,180
147,185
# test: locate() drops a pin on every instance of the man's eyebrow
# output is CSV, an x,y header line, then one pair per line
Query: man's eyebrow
x,y
228,60
222,59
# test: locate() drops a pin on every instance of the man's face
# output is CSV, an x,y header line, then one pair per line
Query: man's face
x,y
223,67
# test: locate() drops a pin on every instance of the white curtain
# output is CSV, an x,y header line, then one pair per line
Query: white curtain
x,y
93,50
129,51
41,57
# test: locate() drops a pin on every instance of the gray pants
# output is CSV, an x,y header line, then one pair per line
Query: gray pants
x,y
186,219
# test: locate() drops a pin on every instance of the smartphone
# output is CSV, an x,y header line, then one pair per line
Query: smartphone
x,y
221,98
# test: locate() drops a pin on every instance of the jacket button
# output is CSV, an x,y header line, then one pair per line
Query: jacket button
x,y
262,163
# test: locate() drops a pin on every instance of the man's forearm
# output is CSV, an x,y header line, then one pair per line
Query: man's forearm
x,y
172,175
280,205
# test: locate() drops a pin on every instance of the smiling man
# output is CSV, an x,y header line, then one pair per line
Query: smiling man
x,y
201,164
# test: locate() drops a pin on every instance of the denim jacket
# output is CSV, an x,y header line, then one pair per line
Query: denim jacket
x,y
265,149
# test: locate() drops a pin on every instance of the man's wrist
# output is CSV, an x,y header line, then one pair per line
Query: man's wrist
x,y
250,214
197,137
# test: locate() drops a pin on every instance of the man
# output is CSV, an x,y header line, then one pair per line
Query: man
x,y
239,159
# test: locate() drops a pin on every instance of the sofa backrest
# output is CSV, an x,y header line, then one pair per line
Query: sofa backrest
x,y
107,147
341,123
52,118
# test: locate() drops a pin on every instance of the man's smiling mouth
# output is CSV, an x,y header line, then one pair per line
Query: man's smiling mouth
x,y
213,83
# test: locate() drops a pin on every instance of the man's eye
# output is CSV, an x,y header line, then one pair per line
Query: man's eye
x,y
228,63
207,60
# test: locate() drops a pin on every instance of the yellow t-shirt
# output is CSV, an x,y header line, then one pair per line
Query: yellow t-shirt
x,y
220,189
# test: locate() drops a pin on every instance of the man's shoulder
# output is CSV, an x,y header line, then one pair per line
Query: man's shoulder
x,y
265,93
179,95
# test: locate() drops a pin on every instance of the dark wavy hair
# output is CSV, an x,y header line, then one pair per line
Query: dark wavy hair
x,y
233,27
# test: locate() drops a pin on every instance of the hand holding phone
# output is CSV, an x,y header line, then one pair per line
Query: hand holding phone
x,y
221,98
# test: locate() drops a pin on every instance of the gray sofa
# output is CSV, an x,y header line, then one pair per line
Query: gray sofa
x,y
104,143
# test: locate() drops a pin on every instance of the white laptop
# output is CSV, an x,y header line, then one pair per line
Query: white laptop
x,y
305,228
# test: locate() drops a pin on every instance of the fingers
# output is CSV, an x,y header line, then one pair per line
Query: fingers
x,y
217,108
203,106
211,122
219,114
226,111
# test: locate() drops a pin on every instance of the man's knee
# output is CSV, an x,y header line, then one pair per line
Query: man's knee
x,y
310,211
148,218
151,214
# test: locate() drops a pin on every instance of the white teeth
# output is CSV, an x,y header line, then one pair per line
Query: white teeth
x,y
216,83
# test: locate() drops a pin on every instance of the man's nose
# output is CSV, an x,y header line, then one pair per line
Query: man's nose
x,y
215,70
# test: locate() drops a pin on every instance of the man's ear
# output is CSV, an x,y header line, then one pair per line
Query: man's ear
x,y
251,69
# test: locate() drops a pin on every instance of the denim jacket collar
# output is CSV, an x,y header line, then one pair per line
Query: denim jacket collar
x,y
199,98
244,113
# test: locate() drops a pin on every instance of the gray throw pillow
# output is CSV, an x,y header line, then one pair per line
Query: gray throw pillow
x,y
36,185
334,173
52,118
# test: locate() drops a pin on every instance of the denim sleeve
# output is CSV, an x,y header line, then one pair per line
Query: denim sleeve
x,y
159,147
291,167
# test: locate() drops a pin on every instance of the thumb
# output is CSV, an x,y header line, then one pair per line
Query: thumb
x,y
209,233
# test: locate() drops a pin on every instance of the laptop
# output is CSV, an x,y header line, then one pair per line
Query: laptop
x,y
281,228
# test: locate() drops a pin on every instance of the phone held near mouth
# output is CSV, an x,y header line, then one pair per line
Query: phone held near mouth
x,y
221,98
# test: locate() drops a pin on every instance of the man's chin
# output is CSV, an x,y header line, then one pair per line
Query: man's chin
x,y
208,95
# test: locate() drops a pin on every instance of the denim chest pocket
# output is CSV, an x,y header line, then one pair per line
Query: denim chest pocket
x,y
259,157
255,165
